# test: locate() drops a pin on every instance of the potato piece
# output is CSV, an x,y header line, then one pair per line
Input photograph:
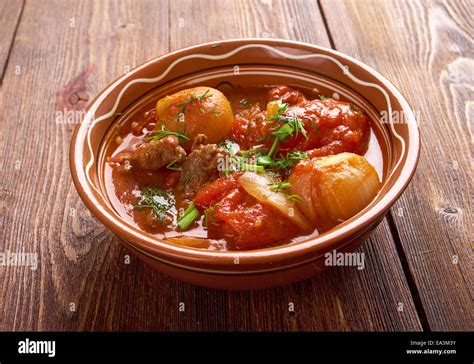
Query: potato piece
x,y
199,110
334,188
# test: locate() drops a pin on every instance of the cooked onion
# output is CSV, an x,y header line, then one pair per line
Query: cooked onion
x,y
190,241
334,188
258,186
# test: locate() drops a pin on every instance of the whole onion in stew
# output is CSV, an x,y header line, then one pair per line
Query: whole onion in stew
x,y
334,188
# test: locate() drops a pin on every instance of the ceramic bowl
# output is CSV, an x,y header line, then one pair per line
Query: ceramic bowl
x,y
248,62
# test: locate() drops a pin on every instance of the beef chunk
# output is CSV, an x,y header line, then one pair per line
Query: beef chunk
x,y
201,166
155,154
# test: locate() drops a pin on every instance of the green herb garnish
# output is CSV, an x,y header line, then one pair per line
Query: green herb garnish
x,y
284,162
289,160
282,107
208,215
183,104
172,165
292,126
159,201
248,153
186,180
188,217
264,160
240,162
164,132
280,186
204,96
313,124
322,97
250,167
232,147
354,108
293,198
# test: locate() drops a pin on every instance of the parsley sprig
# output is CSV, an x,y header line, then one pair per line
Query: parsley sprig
x,y
164,132
292,126
289,160
240,162
284,162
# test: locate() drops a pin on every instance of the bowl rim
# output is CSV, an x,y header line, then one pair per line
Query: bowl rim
x,y
327,242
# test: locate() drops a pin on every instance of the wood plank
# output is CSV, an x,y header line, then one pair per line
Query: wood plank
x,y
325,302
10,14
80,261
67,51
426,49
192,22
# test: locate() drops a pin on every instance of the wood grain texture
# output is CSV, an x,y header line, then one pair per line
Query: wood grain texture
x,y
67,52
10,13
426,49
194,22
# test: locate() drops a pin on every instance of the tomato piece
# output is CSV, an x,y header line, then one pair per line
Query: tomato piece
x,y
214,192
331,127
249,132
234,215
286,95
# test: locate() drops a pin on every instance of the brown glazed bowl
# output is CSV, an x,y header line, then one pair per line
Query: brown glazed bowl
x,y
248,62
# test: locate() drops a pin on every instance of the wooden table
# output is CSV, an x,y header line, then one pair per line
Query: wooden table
x,y
56,55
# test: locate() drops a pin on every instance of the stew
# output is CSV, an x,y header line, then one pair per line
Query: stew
x,y
243,168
